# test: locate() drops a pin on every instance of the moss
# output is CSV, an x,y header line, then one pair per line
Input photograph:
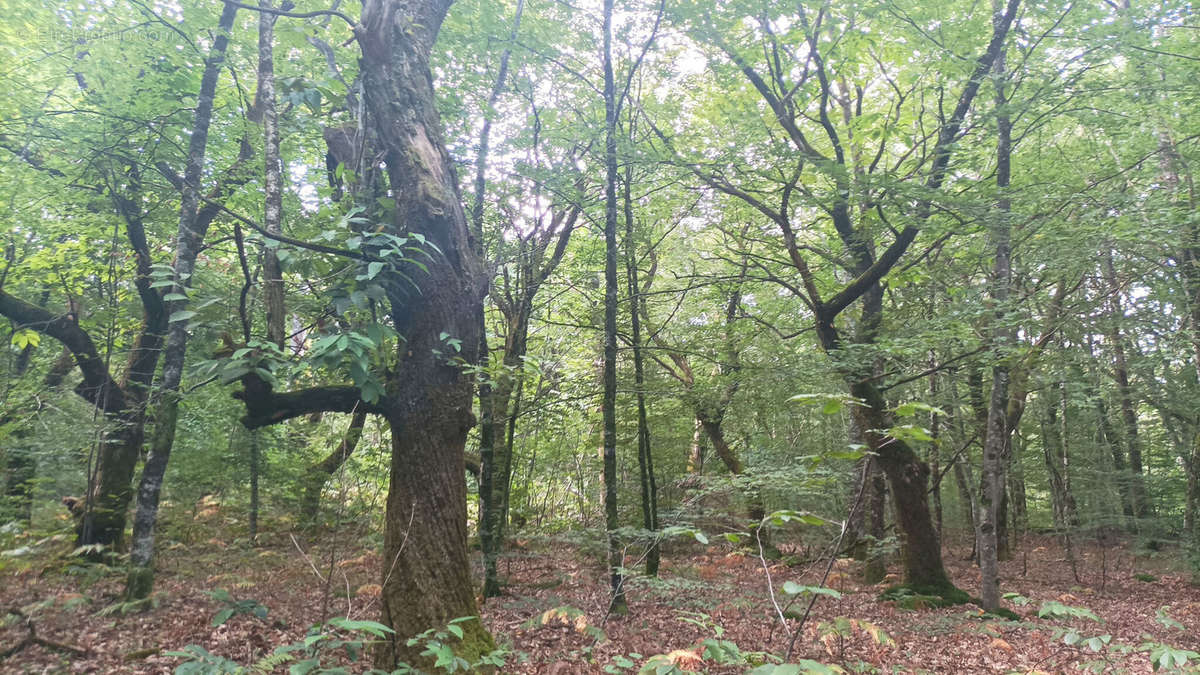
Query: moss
x,y
476,641
139,583
922,596
1004,613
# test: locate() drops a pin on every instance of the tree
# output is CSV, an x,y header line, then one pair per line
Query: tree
x,y
806,67
433,305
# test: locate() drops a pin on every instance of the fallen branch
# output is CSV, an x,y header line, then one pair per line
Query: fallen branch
x,y
34,639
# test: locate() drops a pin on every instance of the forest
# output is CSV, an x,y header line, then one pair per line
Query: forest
x,y
553,336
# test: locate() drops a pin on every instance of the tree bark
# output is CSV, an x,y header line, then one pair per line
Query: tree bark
x,y
1133,444
609,404
648,482
273,290
193,225
998,434
1058,465
491,501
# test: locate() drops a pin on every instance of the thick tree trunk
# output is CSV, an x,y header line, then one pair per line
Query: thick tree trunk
x,y
105,513
426,577
908,479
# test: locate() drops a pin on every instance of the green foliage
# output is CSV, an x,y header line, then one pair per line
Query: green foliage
x,y
1057,610
793,588
342,635
233,607
1166,657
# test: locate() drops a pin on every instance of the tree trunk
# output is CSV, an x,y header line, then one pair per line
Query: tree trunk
x,y
1057,467
649,485
1192,467
997,436
1016,488
1133,445
273,290
970,503
935,460
876,563
426,577
318,474
609,403
192,228
698,450
908,479
1120,473
492,506
255,474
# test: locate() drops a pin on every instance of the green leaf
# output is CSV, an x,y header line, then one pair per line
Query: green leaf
x,y
793,588
26,338
181,315
222,616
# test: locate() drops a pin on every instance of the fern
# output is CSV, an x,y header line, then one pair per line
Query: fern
x,y
269,663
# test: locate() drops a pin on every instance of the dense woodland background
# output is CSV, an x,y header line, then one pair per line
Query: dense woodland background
x,y
885,280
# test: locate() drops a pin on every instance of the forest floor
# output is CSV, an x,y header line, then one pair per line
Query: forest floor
x,y
553,614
